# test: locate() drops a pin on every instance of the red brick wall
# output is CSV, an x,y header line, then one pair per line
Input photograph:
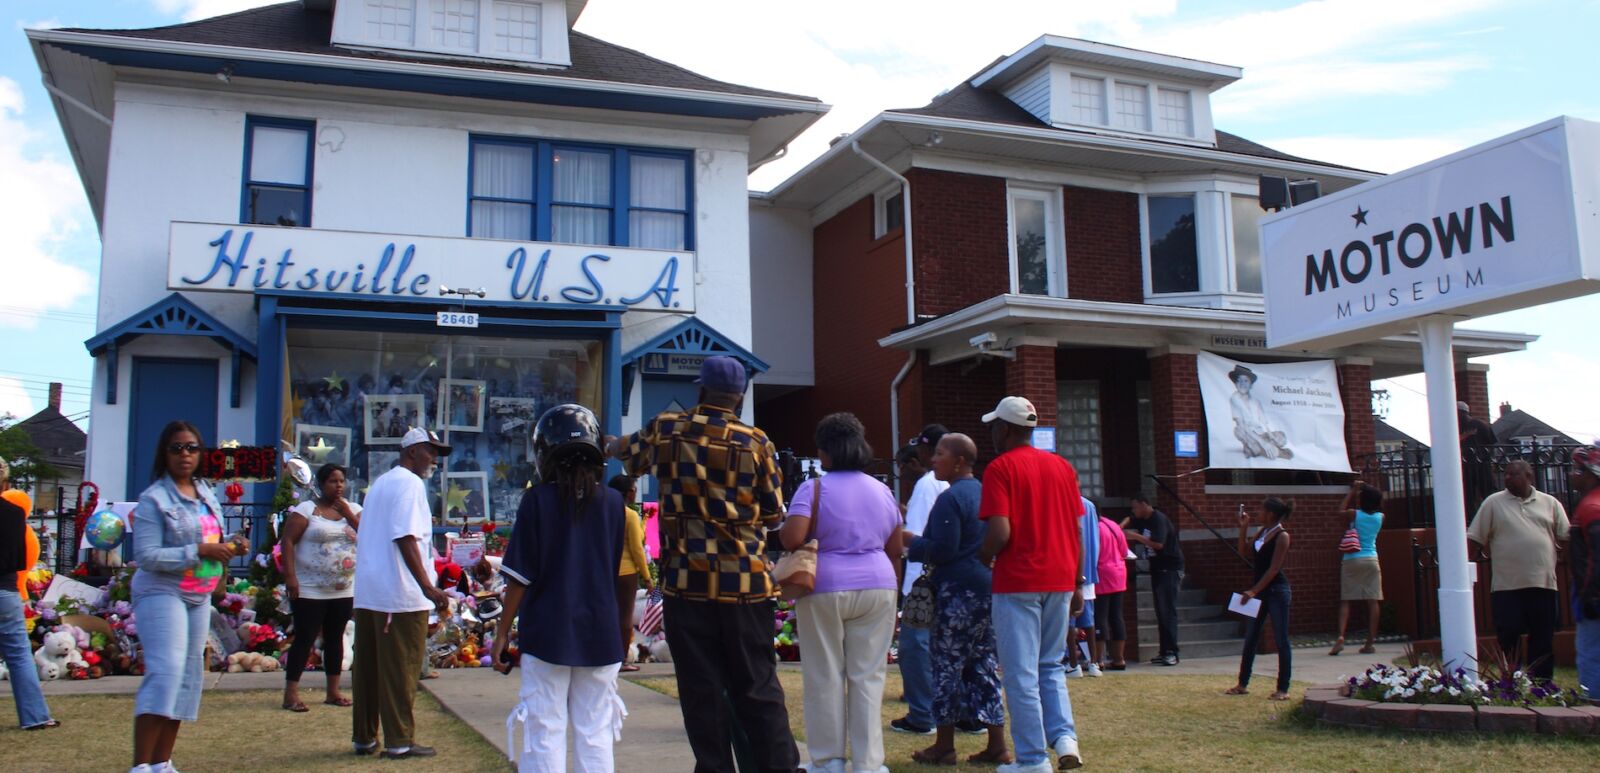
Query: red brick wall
x,y
1472,386
958,395
1104,261
1355,388
960,238
858,298
1031,373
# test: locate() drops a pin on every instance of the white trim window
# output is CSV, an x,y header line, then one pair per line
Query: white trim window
x,y
1244,218
1172,234
1174,112
888,211
1038,257
1133,106
1088,100
518,30
1078,433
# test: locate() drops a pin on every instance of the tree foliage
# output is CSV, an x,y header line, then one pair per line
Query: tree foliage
x,y
27,461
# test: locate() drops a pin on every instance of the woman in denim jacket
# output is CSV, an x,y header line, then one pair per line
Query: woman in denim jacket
x,y
177,542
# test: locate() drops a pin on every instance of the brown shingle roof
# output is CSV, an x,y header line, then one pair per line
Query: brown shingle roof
x,y
292,27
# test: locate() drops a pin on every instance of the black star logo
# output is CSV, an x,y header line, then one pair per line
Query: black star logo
x,y
1360,215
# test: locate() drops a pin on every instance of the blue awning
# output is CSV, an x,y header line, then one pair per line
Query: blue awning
x,y
172,315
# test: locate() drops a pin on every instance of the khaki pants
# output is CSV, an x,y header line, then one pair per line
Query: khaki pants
x,y
383,675
844,648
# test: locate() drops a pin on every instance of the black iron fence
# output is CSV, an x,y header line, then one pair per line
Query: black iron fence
x,y
252,519
1425,563
1406,477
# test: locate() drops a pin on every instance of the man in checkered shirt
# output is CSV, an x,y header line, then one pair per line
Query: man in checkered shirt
x,y
720,489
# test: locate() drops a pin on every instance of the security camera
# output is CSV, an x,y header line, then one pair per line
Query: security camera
x,y
984,341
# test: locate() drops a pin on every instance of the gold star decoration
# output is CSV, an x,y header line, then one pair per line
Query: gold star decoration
x,y
318,452
502,472
334,380
455,500
297,405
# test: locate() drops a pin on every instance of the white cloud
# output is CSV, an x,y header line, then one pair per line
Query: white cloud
x,y
14,399
38,219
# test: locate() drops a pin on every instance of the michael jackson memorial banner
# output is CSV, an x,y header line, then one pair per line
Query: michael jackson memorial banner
x,y
1275,416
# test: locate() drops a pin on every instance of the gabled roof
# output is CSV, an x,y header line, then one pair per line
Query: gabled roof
x,y
1384,432
58,437
974,104
1515,424
292,27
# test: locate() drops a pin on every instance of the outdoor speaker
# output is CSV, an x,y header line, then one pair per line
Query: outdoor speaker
x,y
1302,191
1274,193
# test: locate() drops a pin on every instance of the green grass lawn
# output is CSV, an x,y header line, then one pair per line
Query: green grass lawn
x,y
1185,723
243,730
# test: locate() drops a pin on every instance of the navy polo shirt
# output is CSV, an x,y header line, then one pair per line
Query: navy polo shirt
x,y
569,562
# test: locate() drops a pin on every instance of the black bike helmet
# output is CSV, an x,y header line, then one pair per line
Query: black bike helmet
x,y
567,434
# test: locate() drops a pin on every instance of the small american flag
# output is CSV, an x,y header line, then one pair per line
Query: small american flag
x,y
650,621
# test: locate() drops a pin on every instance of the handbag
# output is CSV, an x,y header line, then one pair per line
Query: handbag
x,y
796,572
1351,542
918,609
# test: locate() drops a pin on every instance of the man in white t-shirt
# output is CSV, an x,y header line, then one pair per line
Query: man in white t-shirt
x,y
394,592
916,662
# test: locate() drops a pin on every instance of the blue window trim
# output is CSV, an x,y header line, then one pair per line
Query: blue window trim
x,y
250,124
621,207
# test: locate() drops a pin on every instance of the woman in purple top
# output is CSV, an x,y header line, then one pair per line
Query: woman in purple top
x,y
847,622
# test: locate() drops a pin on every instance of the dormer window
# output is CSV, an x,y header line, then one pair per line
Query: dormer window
x,y
1176,116
1125,105
533,31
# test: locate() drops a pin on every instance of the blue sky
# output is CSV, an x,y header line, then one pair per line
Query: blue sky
x,y
1375,84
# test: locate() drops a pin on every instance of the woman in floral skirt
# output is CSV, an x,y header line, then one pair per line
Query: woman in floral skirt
x,y
966,680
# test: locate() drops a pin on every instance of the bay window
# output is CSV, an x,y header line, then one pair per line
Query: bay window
x,y
1174,250
1038,262
1246,213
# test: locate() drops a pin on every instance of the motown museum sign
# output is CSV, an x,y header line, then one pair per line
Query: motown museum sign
x,y
1511,223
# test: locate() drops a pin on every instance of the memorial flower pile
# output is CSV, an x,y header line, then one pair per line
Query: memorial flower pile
x,y
1432,685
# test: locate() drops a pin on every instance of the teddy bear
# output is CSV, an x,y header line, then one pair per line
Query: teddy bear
x,y
60,649
49,672
253,662
5,672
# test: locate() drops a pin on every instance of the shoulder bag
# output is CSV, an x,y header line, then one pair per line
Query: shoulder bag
x,y
1351,542
918,609
796,572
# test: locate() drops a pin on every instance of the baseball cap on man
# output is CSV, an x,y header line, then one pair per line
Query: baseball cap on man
x,y
417,435
722,374
1014,410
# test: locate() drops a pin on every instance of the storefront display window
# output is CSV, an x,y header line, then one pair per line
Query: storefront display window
x,y
352,394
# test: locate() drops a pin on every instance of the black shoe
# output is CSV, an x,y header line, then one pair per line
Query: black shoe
x,y
414,751
972,727
905,725
1167,660
366,751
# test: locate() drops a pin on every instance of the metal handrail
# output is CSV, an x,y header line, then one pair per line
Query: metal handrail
x,y
1201,519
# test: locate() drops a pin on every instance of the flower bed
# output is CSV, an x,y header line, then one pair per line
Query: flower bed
x,y
1427,698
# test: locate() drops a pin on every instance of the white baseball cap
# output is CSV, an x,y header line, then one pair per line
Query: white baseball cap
x,y
1014,410
417,435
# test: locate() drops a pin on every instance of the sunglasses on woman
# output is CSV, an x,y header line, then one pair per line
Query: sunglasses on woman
x,y
183,448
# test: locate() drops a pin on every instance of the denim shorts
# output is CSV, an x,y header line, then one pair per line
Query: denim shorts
x,y
173,635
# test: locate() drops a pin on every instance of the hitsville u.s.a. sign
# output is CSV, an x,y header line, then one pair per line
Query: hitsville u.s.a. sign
x,y
251,258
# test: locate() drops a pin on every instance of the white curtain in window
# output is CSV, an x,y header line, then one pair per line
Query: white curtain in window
x,y
657,183
581,177
504,172
278,155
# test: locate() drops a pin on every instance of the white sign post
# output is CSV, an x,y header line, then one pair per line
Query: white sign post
x,y
1511,223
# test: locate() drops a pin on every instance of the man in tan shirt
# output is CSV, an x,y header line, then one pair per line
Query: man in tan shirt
x,y
1521,529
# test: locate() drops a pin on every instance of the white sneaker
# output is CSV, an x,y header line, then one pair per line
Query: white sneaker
x,y
165,767
1067,755
1094,669
1074,672
140,768
1013,767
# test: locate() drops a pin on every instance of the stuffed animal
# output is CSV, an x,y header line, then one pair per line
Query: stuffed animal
x,y
59,649
49,672
253,662
5,672
659,652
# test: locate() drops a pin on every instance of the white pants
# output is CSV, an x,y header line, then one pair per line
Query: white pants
x,y
844,652
552,696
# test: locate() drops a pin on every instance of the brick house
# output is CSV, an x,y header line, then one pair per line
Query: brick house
x,y
1078,230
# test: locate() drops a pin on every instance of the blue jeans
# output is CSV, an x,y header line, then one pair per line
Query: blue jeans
x,y
15,648
1030,631
173,634
1274,603
916,671
1588,656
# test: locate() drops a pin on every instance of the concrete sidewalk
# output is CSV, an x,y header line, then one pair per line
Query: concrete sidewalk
x,y
1309,664
652,737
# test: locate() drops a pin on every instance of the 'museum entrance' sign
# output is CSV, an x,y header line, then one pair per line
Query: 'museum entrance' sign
x,y
1495,227
247,258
